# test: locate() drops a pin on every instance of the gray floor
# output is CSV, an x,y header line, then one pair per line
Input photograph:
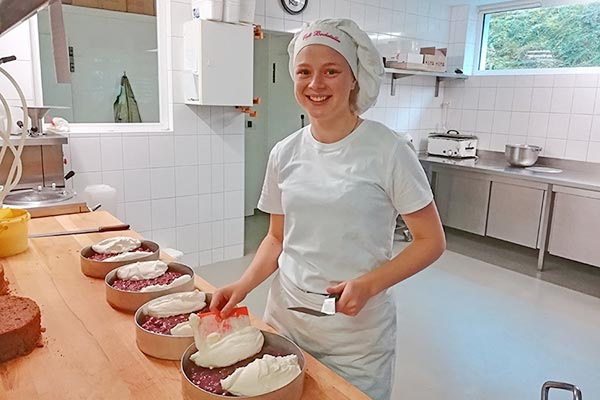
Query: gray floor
x,y
480,323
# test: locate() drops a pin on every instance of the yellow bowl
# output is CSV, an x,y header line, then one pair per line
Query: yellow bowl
x,y
13,231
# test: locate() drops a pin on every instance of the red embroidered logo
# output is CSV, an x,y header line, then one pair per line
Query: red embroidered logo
x,y
320,33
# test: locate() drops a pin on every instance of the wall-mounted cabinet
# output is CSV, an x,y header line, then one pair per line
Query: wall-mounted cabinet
x,y
218,63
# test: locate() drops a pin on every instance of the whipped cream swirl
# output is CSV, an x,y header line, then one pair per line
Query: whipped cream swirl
x,y
263,375
116,245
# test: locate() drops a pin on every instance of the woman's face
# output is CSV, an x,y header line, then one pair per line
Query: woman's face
x,y
323,81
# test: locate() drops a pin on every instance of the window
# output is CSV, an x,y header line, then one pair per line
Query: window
x,y
566,36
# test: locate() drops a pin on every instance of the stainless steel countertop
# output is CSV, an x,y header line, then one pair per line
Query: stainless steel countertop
x,y
42,140
576,174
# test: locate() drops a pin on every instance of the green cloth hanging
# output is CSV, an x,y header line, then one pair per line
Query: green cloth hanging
x,y
125,106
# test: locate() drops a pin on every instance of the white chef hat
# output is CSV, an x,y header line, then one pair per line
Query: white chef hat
x,y
344,36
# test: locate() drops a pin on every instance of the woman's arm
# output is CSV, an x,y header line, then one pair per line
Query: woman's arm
x,y
429,242
261,267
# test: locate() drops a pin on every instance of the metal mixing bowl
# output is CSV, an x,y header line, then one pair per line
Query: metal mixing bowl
x,y
521,155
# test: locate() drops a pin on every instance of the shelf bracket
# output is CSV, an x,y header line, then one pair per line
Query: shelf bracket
x,y
393,82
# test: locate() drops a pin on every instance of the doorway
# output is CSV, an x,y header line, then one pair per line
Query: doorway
x,y
278,114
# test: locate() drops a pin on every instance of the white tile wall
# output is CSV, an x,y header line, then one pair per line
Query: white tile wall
x,y
561,113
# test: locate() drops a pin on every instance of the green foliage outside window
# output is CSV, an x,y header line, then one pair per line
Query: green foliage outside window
x,y
552,37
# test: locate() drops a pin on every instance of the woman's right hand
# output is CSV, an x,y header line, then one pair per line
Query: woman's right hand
x,y
226,298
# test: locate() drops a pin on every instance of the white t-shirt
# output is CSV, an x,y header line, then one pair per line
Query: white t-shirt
x,y
340,201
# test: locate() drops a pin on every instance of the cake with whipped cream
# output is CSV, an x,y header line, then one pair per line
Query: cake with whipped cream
x,y
20,327
118,249
168,315
233,358
148,276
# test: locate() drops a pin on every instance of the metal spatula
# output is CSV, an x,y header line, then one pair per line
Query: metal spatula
x,y
328,308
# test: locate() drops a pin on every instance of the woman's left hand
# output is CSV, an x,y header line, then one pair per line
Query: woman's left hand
x,y
353,295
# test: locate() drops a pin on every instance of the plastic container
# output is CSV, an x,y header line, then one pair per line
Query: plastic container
x,y
13,231
231,11
101,194
247,9
207,9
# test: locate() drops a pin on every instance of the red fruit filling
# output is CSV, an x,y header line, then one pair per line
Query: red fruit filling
x,y
102,257
210,379
164,325
135,286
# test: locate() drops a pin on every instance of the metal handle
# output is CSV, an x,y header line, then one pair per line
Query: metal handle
x,y
560,385
120,227
7,59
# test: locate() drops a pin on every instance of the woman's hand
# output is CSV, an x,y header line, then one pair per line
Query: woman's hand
x,y
353,295
226,298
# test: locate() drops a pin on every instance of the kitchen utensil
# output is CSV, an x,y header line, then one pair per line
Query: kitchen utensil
x,y
277,344
546,170
560,385
327,309
120,227
452,144
99,269
521,155
131,301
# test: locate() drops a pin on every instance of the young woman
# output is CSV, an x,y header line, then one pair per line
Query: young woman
x,y
333,190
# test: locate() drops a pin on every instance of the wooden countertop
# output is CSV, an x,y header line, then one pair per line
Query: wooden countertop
x,y
89,348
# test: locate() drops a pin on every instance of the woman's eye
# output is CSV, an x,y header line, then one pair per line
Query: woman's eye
x,y
302,72
331,72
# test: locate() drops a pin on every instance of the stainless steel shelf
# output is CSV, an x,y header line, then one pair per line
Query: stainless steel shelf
x,y
439,76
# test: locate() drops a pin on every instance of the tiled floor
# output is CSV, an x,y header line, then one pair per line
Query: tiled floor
x,y
469,329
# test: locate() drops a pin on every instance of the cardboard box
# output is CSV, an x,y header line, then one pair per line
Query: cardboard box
x,y
406,61
434,59
112,5
141,7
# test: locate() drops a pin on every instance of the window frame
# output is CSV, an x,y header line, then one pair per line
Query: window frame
x,y
165,124
513,6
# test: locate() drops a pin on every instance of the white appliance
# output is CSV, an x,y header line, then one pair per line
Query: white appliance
x,y
452,144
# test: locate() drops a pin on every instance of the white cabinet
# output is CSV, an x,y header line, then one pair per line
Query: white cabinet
x,y
218,63
515,212
462,199
575,228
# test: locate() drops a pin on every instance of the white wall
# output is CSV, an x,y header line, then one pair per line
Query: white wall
x,y
185,188
559,112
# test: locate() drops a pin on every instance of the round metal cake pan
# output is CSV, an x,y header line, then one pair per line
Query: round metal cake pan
x,y
166,347
130,301
99,269
291,391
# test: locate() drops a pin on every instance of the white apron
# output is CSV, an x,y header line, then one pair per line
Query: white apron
x,y
361,349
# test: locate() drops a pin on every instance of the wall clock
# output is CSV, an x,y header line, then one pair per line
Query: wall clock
x,y
294,6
